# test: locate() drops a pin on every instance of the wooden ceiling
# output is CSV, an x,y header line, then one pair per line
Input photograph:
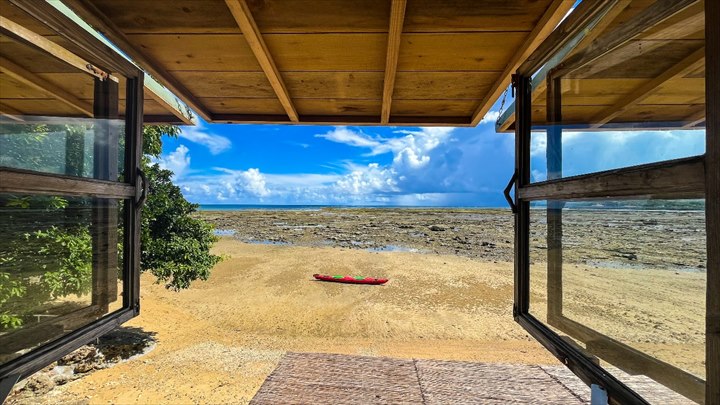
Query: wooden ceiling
x,y
653,78
389,62
45,76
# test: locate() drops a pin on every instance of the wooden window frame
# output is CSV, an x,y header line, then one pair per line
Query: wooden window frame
x,y
695,177
132,191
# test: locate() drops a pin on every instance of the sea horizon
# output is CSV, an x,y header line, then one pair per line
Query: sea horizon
x,y
311,207
627,205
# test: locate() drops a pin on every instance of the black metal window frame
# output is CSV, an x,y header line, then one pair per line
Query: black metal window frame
x,y
700,175
132,190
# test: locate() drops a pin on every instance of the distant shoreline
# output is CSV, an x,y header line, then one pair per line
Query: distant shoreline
x,y
255,207
569,207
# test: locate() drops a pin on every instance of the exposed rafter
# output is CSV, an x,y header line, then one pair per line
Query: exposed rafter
x,y
36,40
397,17
251,32
691,62
32,80
90,14
656,13
552,17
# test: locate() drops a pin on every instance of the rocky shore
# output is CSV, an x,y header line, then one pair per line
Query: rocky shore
x,y
672,240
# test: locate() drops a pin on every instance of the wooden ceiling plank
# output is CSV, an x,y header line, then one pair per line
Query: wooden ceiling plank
x,y
653,15
103,24
397,17
16,30
30,79
680,69
601,25
11,113
550,19
251,32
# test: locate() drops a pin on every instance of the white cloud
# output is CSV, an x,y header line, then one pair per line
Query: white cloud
x,y
367,180
413,145
177,161
349,137
490,117
198,134
253,182
538,144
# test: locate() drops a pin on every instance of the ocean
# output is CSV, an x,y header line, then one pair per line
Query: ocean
x,y
246,207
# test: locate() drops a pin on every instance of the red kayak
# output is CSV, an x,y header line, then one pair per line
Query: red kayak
x,y
351,280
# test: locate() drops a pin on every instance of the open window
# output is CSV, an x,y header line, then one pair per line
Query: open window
x,y
70,188
614,257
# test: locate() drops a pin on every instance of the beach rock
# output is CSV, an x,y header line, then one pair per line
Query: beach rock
x,y
40,384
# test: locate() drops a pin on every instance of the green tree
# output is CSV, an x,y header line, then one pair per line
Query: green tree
x,y
46,248
175,246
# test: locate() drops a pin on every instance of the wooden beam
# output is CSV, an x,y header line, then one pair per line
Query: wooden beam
x,y
680,178
589,35
397,17
176,110
11,113
680,69
16,30
251,32
30,79
654,14
341,120
631,360
26,181
86,10
552,17
84,41
601,25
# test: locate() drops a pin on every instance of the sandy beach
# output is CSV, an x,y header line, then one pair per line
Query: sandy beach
x,y
219,340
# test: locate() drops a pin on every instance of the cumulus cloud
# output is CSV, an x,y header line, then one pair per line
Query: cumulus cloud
x,y
413,144
368,180
490,117
200,135
177,161
349,137
427,166
586,152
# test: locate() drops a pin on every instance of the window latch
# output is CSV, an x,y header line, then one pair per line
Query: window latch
x,y
506,192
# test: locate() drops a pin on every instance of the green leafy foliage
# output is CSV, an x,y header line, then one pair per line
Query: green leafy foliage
x,y
46,246
175,246
45,254
66,257
9,289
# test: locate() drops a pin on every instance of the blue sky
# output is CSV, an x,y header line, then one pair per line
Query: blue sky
x,y
283,164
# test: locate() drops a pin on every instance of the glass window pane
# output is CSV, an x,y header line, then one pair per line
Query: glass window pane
x,y
61,145
629,271
47,118
60,267
641,102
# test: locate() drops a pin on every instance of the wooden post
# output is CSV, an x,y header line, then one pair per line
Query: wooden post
x,y
712,200
105,211
554,208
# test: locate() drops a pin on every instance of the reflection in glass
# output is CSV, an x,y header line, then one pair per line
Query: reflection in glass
x,y
630,271
60,267
66,146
